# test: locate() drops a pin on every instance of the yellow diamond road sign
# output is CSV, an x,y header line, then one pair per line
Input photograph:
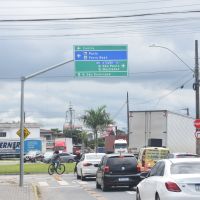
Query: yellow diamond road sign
x,y
26,132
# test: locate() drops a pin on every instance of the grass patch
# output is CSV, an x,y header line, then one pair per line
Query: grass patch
x,y
32,168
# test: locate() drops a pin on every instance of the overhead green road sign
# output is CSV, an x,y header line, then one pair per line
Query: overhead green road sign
x,y
101,60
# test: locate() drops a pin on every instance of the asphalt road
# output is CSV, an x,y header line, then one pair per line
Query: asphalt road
x,y
68,187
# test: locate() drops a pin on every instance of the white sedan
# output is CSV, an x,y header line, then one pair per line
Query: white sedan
x,y
176,179
86,166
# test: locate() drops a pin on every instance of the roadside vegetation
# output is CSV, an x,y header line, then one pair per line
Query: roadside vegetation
x,y
32,168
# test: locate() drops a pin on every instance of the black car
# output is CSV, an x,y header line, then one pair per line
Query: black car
x,y
117,170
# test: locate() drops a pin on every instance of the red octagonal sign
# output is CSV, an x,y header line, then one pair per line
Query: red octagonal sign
x,y
197,123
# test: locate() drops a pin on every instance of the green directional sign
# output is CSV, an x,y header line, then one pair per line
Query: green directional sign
x,y
101,60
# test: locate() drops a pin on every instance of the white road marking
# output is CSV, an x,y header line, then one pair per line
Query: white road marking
x,y
130,192
63,183
82,182
43,183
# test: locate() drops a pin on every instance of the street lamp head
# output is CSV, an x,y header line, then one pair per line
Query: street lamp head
x,y
152,45
163,47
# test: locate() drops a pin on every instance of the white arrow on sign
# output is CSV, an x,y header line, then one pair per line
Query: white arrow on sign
x,y
78,55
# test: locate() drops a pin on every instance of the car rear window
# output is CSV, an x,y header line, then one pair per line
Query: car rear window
x,y
187,156
185,168
122,164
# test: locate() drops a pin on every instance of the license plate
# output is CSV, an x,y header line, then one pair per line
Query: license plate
x,y
123,179
197,187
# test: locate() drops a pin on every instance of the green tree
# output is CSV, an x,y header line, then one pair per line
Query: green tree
x,y
56,130
97,120
74,134
84,138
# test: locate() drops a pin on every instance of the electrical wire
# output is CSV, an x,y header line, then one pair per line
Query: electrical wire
x,y
100,17
109,11
88,5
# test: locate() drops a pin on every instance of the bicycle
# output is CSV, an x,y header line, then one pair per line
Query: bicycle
x,y
60,169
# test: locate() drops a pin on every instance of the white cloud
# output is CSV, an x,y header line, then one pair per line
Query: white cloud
x,y
47,98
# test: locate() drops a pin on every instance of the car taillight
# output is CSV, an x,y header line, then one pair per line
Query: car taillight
x,y
138,169
106,169
86,164
173,187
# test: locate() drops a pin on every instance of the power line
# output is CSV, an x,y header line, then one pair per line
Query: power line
x,y
120,109
164,96
110,11
99,17
88,5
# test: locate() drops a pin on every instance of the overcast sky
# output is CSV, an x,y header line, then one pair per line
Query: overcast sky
x,y
37,34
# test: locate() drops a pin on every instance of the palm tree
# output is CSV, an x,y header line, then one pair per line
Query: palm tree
x,y
97,120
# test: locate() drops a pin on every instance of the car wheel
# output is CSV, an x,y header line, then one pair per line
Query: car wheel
x,y
130,187
103,187
70,161
82,177
157,197
138,195
97,185
77,176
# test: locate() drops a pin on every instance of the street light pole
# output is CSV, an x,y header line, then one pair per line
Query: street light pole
x,y
23,79
196,88
153,45
195,85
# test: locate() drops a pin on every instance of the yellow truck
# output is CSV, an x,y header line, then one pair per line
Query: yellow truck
x,y
148,156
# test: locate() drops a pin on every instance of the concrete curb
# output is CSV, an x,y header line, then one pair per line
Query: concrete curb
x,y
36,192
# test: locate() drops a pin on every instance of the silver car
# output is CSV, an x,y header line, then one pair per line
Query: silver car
x,y
47,156
86,166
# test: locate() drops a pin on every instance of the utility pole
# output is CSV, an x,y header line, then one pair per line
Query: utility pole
x,y
70,117
196,88
127,102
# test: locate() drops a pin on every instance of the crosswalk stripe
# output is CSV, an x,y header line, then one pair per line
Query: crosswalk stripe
x,y
130,192
63,183
43,183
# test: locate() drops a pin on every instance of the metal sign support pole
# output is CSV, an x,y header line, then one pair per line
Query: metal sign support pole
x,y
22,134
23,79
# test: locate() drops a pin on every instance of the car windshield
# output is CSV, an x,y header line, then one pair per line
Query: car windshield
x,y
185,168
94,157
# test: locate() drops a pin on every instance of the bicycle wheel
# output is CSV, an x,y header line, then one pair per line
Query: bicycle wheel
x,y
60,169
51,169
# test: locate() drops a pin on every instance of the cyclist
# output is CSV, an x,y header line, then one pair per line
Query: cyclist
x,y
56,159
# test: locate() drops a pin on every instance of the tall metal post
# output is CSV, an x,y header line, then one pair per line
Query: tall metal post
x,y
23,79
197,91
22,133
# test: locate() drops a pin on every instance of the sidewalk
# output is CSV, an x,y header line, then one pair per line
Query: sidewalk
x,y
10,189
